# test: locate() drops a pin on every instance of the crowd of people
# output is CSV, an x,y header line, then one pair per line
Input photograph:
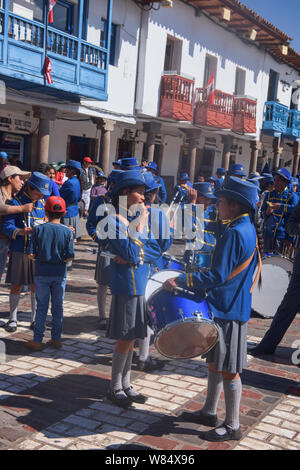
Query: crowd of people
x,y
243,217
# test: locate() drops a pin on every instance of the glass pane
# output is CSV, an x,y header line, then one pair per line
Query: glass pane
x,y
60,16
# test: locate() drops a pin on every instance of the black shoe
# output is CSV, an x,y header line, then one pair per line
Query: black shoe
x,y
199,418
150,365
32,326
103,323
10,329
213,436
119,401
260,351
140,398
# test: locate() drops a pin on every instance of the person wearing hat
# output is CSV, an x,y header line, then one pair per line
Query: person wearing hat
x,y
275,211
207,226
19,227
220,178
116,164
60,176
228,285
3,161
290,304
51,246
134,248
11,182
99,211
71,193
237,170
181,193
87,179
162,193
49,171
99,187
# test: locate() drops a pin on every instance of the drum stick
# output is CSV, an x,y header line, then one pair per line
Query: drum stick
x,y
180,289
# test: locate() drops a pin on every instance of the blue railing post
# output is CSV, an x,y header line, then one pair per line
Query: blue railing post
x,y
6,28
80,23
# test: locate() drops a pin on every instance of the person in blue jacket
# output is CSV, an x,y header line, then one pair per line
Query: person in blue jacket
x,y
100,210
220,178
181,190
228,284
162,192
133,248
18,227
49,171
71,193
276,209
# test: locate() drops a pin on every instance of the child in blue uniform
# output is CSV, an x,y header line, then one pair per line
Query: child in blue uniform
x,y
133,250
18,227
229,285
71,193
51,246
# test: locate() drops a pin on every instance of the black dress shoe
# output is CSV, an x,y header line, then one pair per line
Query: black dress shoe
x,y
229,435
199,418
150,365
103,324
122,401
139,398
32,326
260,351
9,328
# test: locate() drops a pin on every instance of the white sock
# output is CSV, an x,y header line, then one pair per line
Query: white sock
x,y
144,345
101,299
33,306
214,389
13,307
232,393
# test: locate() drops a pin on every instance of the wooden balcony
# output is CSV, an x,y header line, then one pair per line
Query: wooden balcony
x,y
293,125
79,69
276,117
176,97
217,114
244,115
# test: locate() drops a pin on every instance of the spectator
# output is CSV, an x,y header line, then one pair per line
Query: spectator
x,y
87,179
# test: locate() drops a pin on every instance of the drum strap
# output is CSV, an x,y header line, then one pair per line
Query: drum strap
x,y
244,265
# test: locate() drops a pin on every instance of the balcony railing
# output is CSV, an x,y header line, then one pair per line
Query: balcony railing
x,y
176,97
293,125
244,115
215,111
77,67
275,118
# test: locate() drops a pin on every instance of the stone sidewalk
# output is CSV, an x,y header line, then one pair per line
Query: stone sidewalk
x,y
55,399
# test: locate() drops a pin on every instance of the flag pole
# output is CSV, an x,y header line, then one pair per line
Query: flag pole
x,y
46,40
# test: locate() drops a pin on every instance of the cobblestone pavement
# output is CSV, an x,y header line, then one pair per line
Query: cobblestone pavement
x,y
55,399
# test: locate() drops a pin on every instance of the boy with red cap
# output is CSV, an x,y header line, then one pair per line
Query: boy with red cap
x,y
51,247
87,180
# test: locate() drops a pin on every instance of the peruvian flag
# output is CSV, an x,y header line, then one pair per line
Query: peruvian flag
x,y
51,5
210,88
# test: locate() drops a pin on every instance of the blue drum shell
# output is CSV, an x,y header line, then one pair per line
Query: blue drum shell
x,y
170,263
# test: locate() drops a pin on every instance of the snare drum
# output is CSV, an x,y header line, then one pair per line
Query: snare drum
x,y
276,273
183,324
169,262
197,259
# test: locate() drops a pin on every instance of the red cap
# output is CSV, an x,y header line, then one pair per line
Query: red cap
x,y
55,204
87,159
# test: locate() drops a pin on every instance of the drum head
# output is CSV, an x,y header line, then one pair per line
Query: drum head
x,y
186,339
276,273
155,282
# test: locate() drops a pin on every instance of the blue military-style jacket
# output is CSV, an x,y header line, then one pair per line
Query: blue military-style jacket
x,y
14,222
71,193
228,299
159,226
95,217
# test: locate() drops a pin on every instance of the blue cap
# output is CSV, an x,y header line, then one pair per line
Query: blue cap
x,y
152,166
255,176
183,177
129,164
3,155
129,178
284,173
204,189
113,175
100,174
236,169
40,182
295,181
256,182
212,178
74,165
241,191
150,181
117,162
220,171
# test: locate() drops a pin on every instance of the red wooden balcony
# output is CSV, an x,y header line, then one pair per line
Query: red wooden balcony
x,y
244,111
176,97
218,113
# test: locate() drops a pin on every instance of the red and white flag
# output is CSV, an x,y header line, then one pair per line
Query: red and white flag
x,y
210,88
51,5
47,70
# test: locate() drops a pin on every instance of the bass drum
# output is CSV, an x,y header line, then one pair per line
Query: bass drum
x,y
276,273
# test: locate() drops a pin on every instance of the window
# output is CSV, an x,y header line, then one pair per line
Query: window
x,y
173,55
273,85
63,16
211,64
113,40
240,81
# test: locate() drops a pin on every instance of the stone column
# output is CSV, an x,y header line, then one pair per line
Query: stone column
x,y
228,143
277,151
106,126
152,129
296,153
193,137
255,146
45,115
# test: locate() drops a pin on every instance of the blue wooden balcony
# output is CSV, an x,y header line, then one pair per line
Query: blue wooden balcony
x,y
79,69
275,118
293,125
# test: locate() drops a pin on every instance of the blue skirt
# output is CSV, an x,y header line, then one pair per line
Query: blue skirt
x,y
127,318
